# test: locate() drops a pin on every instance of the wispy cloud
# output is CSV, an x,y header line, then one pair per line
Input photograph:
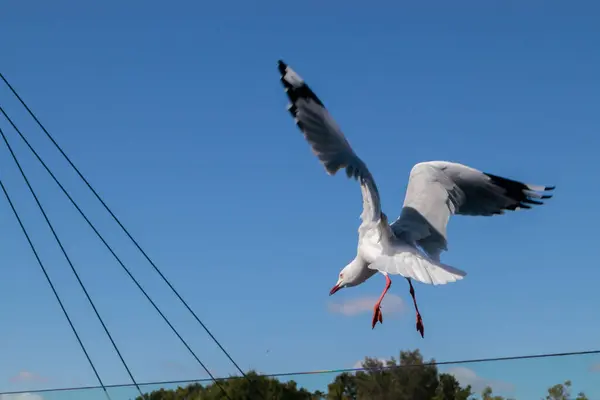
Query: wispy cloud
x,y
391,304
176,366
359,364
467,376
185,369
27,376
21,396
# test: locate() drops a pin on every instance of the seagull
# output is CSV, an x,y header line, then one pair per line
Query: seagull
x,y
410,246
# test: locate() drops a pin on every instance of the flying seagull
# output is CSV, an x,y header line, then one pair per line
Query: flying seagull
x,y
411,246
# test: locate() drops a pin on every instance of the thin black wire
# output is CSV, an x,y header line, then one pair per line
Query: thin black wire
x,y
113,253
123,227
333,371
41,264
68,259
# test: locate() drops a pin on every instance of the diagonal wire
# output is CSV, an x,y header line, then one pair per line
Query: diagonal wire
x,y
154,266
117,258
12,153
41,264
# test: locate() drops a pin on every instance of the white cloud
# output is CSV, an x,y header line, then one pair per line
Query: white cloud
x,y
179,368
467,376
27,376
391,304
176,366
21,396
359,364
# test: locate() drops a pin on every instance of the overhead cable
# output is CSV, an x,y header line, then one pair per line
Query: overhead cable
x,y
118,221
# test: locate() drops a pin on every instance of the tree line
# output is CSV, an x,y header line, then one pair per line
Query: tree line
x,y
408,378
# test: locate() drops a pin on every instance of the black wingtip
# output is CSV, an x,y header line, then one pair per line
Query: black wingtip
x,y
281,66
532,201
295,86
525,196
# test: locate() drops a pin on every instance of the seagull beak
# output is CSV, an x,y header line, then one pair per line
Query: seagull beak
x,y
334,289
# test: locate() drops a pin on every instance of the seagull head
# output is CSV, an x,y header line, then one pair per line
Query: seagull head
x,y
339,285
351,275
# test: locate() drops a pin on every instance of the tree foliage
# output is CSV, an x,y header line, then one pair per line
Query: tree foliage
x,y
562,391
408,378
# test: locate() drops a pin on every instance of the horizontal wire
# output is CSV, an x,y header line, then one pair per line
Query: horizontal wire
x,y
325,371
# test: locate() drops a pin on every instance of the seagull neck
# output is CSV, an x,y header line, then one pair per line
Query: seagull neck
x,y
360,271
358,264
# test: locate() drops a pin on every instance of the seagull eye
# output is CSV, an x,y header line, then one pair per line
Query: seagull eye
x,y
341,275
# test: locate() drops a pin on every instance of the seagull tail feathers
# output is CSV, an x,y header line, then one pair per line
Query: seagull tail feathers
x,y
410,264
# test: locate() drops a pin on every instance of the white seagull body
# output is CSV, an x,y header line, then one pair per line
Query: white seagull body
x,y
410,246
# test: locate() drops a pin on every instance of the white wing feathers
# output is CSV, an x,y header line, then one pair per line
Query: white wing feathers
x,y
436,190
328,142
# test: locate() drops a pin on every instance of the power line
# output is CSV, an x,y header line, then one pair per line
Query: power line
x,y
137,245
438,363
58,241
117,258
331,371
41,264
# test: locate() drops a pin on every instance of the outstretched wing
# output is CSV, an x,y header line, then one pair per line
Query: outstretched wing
x,y
436,190
328,142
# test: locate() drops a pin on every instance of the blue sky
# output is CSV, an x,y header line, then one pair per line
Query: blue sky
x,y
177,116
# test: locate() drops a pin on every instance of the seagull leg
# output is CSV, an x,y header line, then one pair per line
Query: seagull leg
x,y
420,327
377,315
